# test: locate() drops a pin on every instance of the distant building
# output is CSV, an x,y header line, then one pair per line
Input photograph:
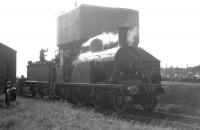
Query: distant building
x,y
181,74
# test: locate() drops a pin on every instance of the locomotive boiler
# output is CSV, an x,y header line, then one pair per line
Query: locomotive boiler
x,y
90,70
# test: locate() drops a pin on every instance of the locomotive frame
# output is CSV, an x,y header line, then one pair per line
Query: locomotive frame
x,y
98,95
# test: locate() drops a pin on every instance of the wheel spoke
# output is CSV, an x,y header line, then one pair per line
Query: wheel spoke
x,y
119,102
81,95
98,99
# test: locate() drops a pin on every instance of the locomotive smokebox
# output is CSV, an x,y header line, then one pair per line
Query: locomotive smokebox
x,y
122,34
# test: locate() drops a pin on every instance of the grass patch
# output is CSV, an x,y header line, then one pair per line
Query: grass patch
x,y
9,123
33,114
182,98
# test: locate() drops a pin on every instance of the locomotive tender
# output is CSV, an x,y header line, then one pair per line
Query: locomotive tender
x,y
89,69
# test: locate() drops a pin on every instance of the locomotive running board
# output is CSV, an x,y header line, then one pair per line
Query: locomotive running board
x,y
96,85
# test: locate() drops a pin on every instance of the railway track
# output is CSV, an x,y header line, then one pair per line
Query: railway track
x,y
158,118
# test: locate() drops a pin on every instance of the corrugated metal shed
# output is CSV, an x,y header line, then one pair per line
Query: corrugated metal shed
x,y
7,64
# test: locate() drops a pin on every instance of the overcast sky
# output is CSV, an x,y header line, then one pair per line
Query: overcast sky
x,y
169,29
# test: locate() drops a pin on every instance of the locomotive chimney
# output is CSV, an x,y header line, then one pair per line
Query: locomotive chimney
x,y
122,34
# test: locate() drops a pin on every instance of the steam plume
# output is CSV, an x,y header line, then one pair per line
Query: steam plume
x,y
106,38
131,36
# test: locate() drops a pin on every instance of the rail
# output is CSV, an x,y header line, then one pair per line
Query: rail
x,y
159,118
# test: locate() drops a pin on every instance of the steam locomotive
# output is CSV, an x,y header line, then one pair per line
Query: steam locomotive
x,y
117,73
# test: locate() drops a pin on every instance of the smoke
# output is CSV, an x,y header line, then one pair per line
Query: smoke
x,y
109,40
133,33
131,36
106,38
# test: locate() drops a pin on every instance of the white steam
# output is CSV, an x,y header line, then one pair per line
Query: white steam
x,y
106,38
131,36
